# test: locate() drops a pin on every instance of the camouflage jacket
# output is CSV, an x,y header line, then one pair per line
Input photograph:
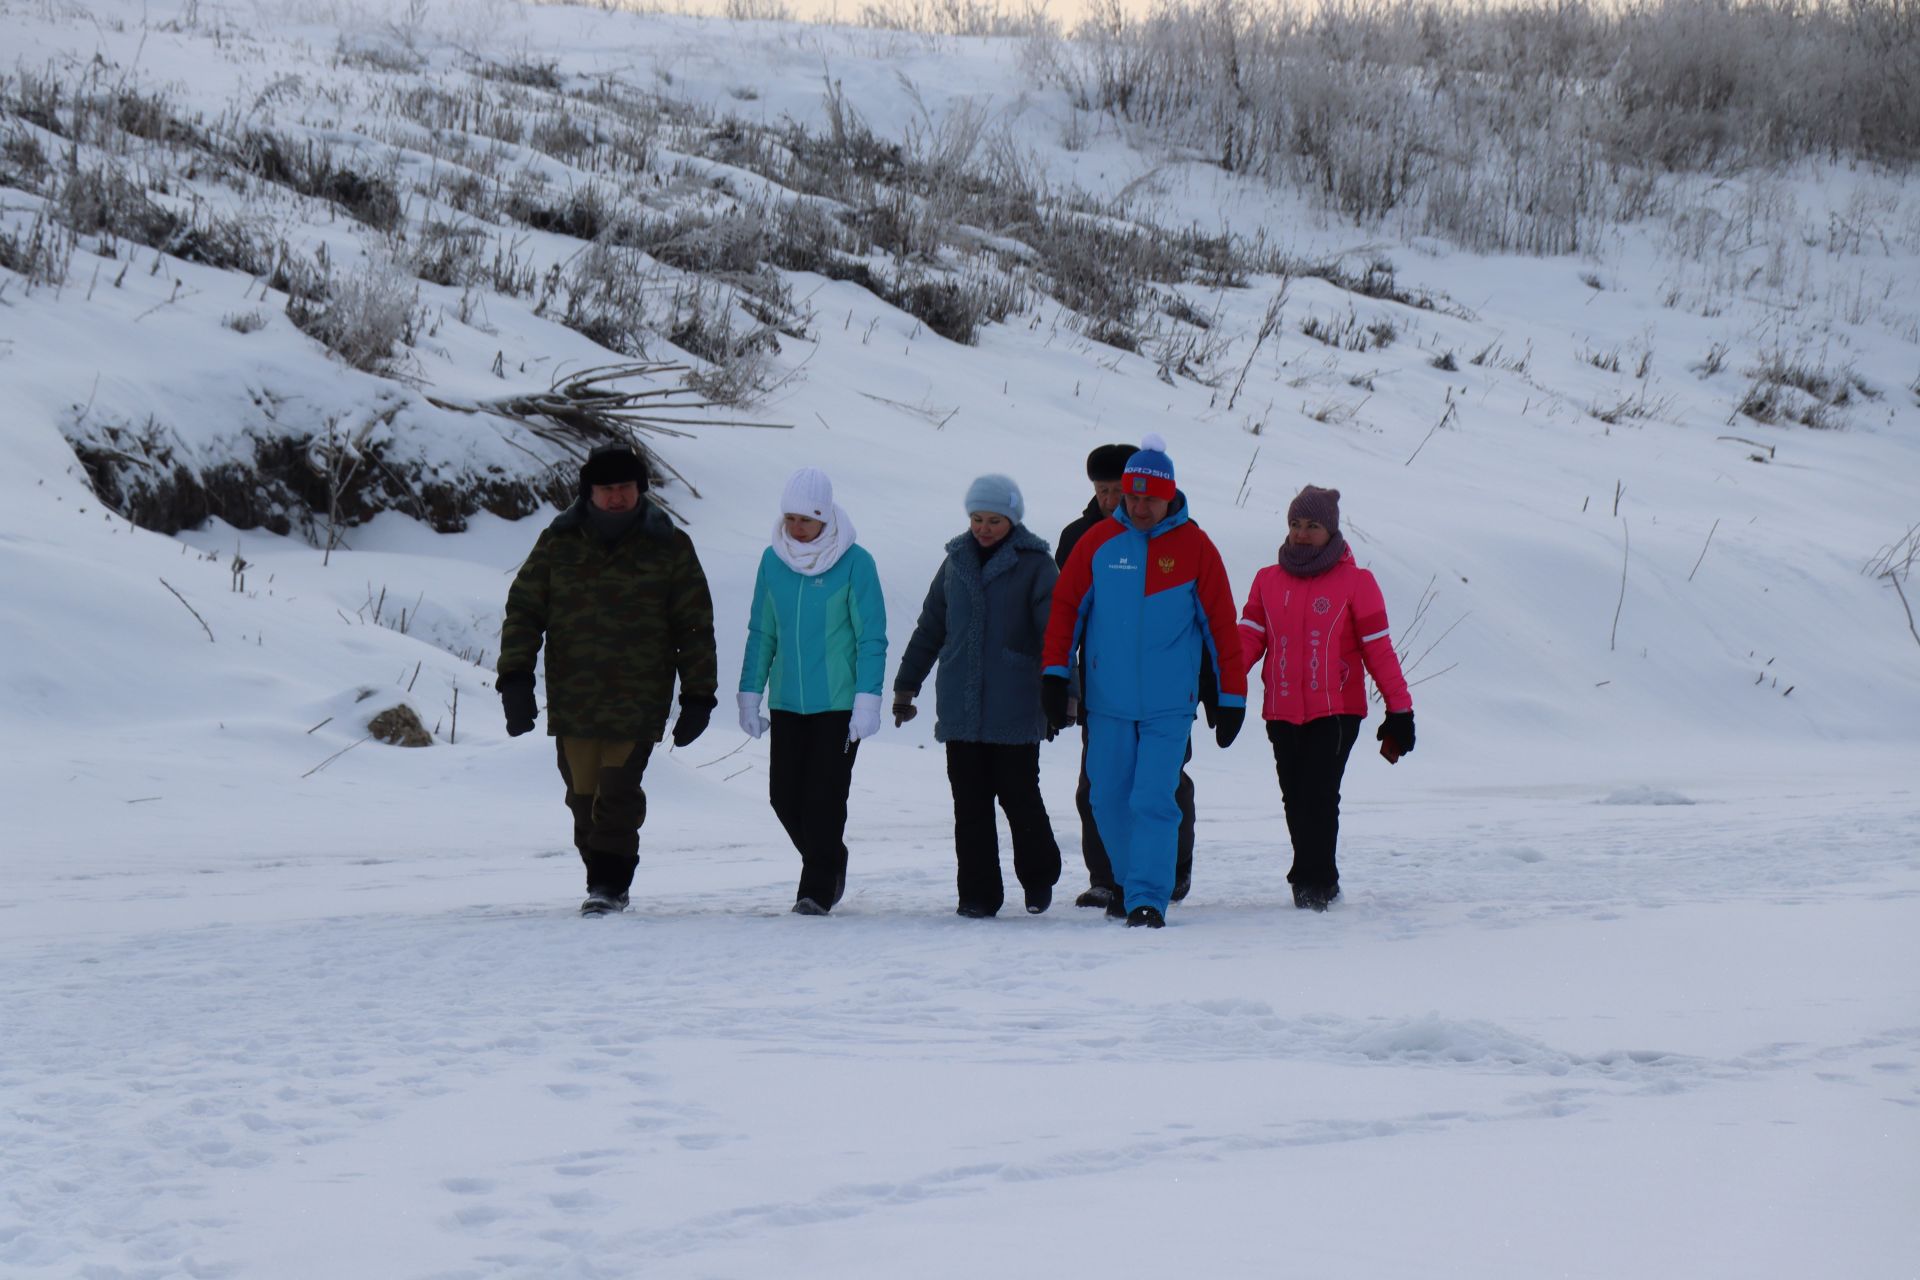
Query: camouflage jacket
x,y
619,622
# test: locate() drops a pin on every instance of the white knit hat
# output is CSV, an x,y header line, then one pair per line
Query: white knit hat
x,y
808,493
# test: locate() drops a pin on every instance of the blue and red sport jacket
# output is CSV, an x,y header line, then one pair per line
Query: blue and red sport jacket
x,y
1139,609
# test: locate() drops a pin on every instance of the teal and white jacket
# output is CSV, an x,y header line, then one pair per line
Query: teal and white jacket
x,y
814,642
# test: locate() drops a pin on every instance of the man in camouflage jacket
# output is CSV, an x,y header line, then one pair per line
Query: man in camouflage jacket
x,y
618,596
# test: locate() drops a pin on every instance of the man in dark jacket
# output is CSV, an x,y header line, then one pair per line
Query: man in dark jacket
x,y
1104,467
619,598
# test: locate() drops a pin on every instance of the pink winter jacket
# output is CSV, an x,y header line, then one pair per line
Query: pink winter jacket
x,y
1315,633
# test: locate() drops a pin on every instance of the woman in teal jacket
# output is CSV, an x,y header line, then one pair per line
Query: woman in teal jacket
x,y
817,645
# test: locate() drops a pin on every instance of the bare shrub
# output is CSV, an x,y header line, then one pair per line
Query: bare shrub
x,y
582,213
1348,333
368,313
23,163
806,237
608,288
245,321
756,11
948,307
105,200
377,55
1502,127
40,252
950,17
1376,280
1637,405
312,170
559,134
530,73
1785,390
733,242
229,242
449,255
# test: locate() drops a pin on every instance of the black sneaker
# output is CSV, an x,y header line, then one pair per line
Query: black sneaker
x,y
1099,895
601,902
1181,888
1039,899
1145,918
808,907
974,911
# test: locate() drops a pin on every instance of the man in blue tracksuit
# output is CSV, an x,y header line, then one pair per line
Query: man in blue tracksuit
x,y
1144,600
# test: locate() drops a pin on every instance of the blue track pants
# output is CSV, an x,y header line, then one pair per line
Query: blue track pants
x,y
1134,769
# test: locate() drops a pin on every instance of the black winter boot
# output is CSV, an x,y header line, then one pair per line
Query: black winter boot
x,y
1145,918
602,902
1099,895
1312,897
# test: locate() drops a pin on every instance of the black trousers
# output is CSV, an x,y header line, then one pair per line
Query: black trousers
x,y
1311,758
608,806
812,767
980,773
1094,853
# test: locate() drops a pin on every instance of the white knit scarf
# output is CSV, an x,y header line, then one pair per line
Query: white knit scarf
x,y
811,559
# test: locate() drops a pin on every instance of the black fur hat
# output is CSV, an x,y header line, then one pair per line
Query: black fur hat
x,y
1109,461
613,464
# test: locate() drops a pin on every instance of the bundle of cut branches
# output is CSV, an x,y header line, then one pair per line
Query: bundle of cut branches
x,y
590,408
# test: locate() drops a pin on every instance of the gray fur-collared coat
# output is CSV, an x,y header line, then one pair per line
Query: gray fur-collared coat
x,y
984,624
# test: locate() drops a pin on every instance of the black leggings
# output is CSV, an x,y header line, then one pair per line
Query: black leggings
x,y
812,767
1311,758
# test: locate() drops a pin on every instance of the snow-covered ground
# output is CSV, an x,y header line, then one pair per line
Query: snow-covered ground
x,y
1626,974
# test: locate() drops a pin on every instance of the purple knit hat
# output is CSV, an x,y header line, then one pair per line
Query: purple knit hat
x,y
1315,503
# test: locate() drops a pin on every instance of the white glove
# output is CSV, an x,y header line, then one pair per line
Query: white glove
x,y
752,723
866,717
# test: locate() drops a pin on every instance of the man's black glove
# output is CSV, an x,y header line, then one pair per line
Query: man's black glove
x,y
694,714
903,708
1397,732
1227,728
517,700
1053,702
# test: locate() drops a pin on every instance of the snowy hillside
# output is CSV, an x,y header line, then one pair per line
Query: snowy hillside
x,y
1624,976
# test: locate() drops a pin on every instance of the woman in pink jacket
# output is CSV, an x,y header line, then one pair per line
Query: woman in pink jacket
x,y
1317,617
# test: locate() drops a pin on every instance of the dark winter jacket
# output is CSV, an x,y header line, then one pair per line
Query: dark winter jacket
x,y
1071,534
984,624
619,622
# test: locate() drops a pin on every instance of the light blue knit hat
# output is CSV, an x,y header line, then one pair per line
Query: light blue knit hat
x,y
997,494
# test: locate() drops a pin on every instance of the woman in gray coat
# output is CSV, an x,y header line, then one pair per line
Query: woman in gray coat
x,y
983,621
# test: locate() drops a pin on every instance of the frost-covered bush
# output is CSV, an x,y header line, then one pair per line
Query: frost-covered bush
x,y
366,314
1502,126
